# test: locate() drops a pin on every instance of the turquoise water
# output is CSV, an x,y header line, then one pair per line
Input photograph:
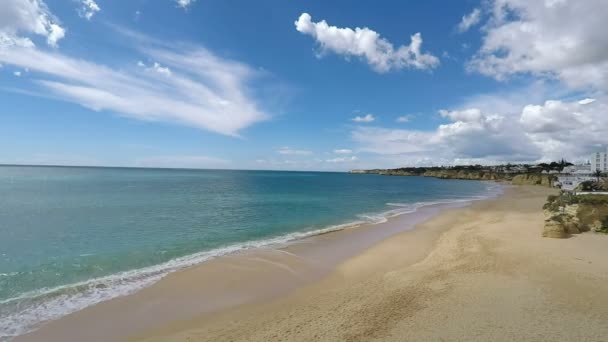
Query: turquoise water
x,y
71,237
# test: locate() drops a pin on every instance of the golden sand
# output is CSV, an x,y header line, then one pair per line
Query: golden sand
x,y
480,273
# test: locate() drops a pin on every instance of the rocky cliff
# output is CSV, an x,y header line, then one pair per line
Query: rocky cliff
x,y
520,179
533,179
568,214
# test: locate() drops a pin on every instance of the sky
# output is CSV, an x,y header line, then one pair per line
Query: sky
x,y
301,85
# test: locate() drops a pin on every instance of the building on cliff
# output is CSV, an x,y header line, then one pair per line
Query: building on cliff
x,y
571,176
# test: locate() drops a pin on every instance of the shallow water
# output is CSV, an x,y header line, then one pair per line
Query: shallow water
x,y
71,237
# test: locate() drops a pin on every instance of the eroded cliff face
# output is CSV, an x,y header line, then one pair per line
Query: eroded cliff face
x,y
560,224
462,174
567,214
533,179
520,179
447,174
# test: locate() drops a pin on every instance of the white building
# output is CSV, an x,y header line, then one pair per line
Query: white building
x,y
572,176
599,161
582,169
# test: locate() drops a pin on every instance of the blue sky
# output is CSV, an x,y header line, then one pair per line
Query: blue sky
x,y
269,85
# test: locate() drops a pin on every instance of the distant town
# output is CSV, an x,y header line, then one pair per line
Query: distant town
x,y
563,174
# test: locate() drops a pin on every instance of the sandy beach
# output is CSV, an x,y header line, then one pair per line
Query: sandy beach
x,y
478,273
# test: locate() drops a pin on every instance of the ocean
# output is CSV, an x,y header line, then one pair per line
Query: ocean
x,y
71,237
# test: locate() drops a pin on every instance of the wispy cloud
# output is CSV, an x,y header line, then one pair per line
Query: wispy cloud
x,y
405,118
342,159
286,150
367,44
186,84
469,20
343,151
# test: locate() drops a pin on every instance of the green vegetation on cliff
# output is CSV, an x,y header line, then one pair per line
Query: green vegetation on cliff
x,y
601,185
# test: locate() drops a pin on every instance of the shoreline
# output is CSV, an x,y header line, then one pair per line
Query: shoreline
x,y
476,273
344,241
486,275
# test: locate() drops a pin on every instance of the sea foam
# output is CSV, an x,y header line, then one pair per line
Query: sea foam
x,y
30,310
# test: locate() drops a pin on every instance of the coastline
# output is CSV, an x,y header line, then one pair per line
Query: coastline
x,y
320,250
481,272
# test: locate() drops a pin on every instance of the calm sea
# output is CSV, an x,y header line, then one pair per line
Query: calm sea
x,y
72,236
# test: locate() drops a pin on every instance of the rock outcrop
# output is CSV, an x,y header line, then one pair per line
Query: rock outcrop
x,y
568,214
554,229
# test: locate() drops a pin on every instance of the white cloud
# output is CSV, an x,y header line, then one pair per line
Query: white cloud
x,y
342,159
19,17
466,115
405,118
160,69
343,151
392,141
365,119
17,73
550,131
341,163
566,128
204,90
286,150
184,3
183,161
469,20
558,39
88,9
367,44
65,159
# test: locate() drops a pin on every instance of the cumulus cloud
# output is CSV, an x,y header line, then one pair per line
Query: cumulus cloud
x,y
88,8
568,128
187,84
343,151
367,44
286,150
20,19
364,119
558,39
469,20
549,131
17,73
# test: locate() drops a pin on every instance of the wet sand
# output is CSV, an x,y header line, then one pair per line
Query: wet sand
x,y
479,273
251,276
